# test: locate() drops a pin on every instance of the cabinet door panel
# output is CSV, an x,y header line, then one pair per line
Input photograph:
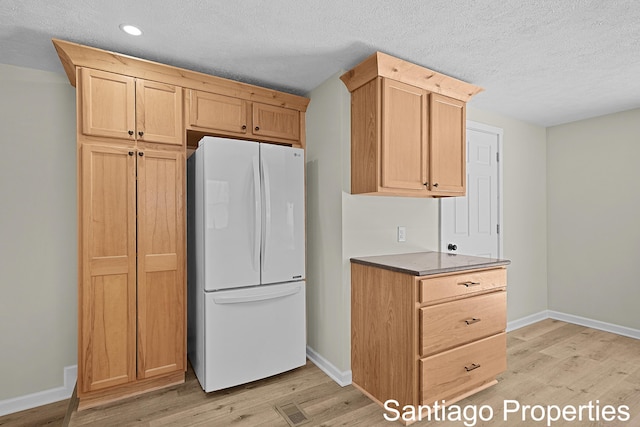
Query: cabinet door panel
x,y
276,122
161,283
218,112
108,288
404,136
159,112
108,104
448,145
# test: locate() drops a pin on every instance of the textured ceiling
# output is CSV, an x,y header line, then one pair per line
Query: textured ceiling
x,y
545,62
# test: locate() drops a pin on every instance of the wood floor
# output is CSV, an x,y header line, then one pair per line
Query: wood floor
x,y
550,363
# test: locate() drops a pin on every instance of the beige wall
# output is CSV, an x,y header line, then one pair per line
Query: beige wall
x,y
38,228
594,218
524,226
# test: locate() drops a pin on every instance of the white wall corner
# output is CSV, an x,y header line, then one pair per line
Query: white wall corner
x,y
527,320
22,403
342,378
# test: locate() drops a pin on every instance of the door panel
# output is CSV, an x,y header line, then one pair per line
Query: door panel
x,y
447,142
161,243
283,231
404,136
471,222
159,112
209,110
231,207
276,122
108,104
108,288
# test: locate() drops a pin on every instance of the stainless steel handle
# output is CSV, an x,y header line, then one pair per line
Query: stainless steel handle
x,y
472,321
472,367
469,284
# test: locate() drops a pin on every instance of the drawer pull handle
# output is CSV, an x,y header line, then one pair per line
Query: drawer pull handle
x,y
472,321
472,367
469,284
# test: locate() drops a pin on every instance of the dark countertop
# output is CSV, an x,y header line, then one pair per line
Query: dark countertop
x,y
427,263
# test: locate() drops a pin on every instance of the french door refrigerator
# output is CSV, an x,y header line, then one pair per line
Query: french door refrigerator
x,y
246,261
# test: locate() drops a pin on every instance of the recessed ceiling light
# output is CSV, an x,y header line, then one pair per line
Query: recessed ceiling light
x,y
130,29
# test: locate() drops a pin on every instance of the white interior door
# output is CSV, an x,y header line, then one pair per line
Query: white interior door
x,y
470,225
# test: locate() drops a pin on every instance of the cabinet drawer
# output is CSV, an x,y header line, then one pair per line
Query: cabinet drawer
x,y
454,372
436,289
450,324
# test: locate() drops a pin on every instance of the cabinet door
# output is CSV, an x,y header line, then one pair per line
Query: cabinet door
x,y
276,122
108,287
404,136
218,112
448,145
159,112
161,275
108,104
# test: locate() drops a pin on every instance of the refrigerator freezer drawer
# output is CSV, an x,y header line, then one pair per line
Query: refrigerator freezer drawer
x,y
253,333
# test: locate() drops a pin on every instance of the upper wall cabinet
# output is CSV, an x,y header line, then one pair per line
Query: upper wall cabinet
x,y
220,114
407,129
119,106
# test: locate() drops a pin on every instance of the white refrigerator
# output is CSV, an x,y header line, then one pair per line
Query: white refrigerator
x,y
246,261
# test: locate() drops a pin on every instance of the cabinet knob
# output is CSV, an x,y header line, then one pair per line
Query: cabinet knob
x,y
452,247
140,153
426,183
244,127
257,128
130,132
140,133
435,185
131,153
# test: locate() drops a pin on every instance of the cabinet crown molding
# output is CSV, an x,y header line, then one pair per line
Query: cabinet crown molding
x,y
383,65
74,55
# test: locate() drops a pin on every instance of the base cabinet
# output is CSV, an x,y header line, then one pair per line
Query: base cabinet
x,y
418,350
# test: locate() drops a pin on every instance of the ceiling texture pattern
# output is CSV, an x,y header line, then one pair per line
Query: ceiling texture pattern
x,y
545,62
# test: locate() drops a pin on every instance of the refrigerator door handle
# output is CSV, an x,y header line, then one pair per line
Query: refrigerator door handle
x,y
267,213
256,297
256,214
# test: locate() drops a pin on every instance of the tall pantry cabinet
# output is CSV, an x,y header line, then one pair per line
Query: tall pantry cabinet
x,y
131,181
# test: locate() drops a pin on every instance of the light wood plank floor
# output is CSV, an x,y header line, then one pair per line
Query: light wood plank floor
x,y
550,363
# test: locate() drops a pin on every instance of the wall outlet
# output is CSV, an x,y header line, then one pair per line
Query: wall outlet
x,y
402,234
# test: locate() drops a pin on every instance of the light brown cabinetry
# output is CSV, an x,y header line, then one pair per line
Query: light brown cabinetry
x,y
123,107
407,129
419,340
132,227
237,117
132,134
131,304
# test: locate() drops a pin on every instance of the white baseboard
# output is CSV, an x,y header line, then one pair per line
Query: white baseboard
x,y
595,324
527,320
342,378
578,320
21,403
